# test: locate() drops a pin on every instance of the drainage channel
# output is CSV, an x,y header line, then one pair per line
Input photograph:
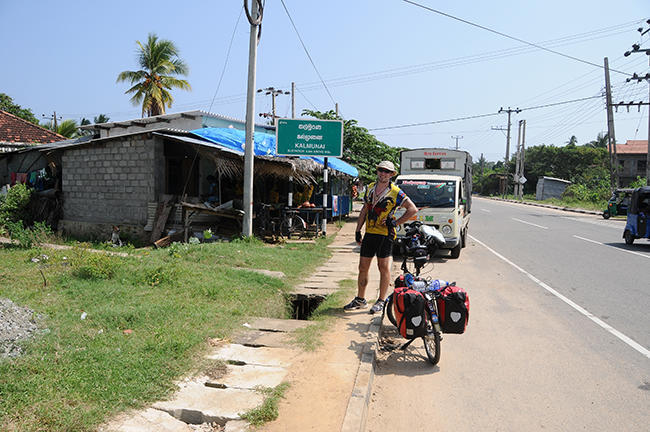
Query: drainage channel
x,y
303,306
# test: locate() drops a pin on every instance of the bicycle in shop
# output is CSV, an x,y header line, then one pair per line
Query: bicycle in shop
x,y
274,225
419,307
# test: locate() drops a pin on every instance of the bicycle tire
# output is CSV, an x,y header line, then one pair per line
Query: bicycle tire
x,y
297,228
432,343
389,310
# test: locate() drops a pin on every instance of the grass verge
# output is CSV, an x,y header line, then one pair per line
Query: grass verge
x,y
570,203
145,323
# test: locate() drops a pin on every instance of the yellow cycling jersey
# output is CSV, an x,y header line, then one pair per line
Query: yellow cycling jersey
x,y
381,206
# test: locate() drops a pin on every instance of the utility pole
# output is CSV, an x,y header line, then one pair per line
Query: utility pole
x,y
457,137
520,160
611,136
255,20
54,120
293,100
509,111
507,160
636,48
273,92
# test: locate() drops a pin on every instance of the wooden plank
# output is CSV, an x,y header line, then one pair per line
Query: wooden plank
x,y
166,241
162,214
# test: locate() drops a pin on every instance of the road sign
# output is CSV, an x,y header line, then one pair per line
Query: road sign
x,y
309,137
522,179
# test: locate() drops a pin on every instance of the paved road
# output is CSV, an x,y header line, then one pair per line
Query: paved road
x,y
558,336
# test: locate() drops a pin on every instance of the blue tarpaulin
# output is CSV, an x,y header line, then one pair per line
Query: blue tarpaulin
x,y
264,146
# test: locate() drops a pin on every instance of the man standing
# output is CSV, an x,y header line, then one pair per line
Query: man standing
x,y
380,201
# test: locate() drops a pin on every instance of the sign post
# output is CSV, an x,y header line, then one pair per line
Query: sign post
x,y
323,138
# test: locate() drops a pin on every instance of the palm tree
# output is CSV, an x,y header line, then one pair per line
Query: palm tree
x,y
158,60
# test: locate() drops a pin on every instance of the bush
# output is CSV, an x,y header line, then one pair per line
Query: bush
x,y
92,265
14,204
27,237
639,182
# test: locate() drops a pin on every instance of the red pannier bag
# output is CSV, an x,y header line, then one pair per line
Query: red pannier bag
x,y
409,311
453,307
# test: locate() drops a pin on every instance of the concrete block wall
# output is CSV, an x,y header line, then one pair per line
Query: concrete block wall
x,y
110,182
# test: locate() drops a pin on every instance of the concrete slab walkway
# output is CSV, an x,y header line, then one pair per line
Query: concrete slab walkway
x,y
330,387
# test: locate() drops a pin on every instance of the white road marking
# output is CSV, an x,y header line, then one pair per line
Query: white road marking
x,y
622,250
486,211
645,352
529,223
603,223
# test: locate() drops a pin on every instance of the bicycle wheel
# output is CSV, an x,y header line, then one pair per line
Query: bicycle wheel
x,y
432,342
389,310
296,229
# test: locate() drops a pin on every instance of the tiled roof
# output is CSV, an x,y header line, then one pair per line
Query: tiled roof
x,y
633,147
13,129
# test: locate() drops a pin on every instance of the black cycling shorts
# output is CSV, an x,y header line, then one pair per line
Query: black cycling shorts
x,y
376,244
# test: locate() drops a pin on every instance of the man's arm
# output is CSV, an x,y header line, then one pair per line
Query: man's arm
x,y
411,210
362,216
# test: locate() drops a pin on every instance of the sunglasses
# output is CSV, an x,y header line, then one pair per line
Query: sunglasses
x,y
384,170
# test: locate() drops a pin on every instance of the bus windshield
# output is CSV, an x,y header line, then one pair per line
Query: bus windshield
x,y
430,193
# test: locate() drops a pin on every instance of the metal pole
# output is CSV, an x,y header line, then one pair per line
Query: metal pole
x,y
247,225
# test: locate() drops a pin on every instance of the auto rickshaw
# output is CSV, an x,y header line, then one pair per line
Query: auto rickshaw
x,y
618,203
637,225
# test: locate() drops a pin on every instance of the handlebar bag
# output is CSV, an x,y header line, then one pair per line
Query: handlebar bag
x,y
453,307
409,310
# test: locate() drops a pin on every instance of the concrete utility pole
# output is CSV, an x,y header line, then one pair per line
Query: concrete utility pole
x,y
54,119
611,138
255,20
293,100
457,137
509,111
273,92
636,48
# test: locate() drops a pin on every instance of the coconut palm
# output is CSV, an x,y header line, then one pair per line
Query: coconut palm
x,y
158,59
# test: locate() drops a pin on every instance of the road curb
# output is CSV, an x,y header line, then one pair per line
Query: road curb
x,y
356,413
568,209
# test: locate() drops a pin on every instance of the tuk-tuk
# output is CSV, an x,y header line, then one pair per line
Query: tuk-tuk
x,y
637,225
618,203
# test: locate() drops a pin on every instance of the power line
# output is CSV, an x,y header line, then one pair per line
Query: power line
x,y
307,52
225,63
480,115
511,37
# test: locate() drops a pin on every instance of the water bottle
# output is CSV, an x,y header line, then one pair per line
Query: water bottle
x,y
419,285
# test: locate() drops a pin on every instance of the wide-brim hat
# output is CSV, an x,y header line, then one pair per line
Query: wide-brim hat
x,y
387,165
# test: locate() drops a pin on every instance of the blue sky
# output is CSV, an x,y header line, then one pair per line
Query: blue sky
x,y
386,62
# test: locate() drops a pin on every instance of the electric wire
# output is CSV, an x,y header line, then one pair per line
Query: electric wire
x,y
511,37
225,63
307,52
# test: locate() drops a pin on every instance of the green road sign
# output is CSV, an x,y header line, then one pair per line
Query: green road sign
x,y
309,137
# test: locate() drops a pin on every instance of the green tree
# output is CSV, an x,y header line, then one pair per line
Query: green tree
x,y
360,148
159,61
68,128
7,104
601,141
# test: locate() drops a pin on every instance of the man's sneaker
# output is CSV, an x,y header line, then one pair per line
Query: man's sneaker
x,y
356,303
377,307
